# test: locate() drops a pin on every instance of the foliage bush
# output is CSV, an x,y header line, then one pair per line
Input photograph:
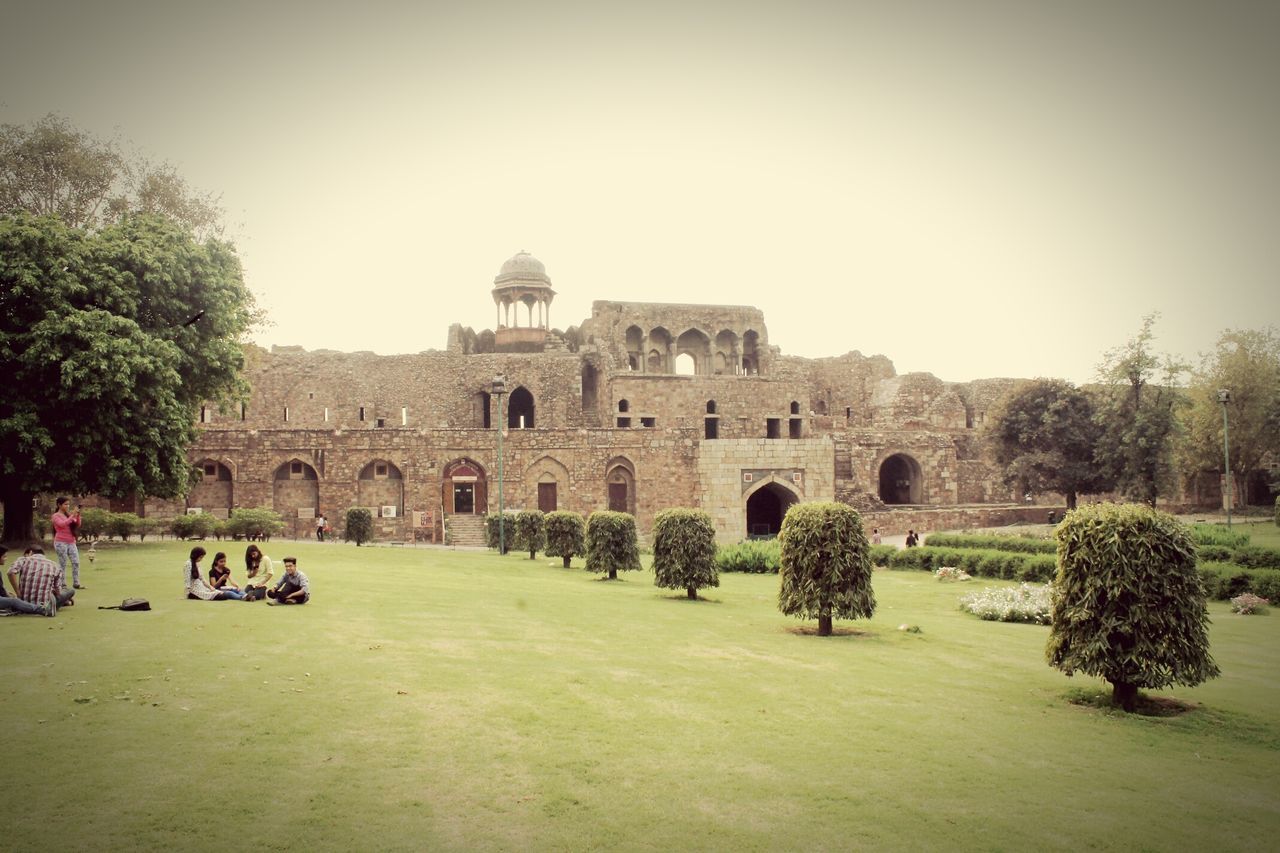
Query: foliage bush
x,y
951,573
1026,602
566,535
882,554
122,524
1256,557
1226,580
754,556
202,525
1021,544
1213,554
94,523
254,523
181,526
1219,534
1249,604
359,527
684,551
825,568
149,526
530,531
611,543
1128,604
508,531
1008,565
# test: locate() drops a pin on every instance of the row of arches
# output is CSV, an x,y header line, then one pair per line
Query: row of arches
x,y
693,352
465,485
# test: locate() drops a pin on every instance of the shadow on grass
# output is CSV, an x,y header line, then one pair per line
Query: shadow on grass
x,y
812,631
701,599
1147,706
1181,716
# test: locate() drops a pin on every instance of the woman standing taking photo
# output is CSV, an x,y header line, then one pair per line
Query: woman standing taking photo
x,y
65,524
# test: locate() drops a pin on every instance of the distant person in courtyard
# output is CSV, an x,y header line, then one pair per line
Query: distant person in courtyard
x,y
39,585
196,586
220,578
258,571
65,526
875,536
912,539
293,588
321,524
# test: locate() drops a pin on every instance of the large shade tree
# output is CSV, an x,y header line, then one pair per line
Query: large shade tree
x,y
1045,436
109,342
1246,363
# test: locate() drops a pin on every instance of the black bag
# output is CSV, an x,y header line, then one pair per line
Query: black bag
x,y
130,604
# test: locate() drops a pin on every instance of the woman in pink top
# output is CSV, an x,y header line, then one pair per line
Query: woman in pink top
x,y
65,525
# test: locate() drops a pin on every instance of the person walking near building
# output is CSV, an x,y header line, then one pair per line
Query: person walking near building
x,y
321,524
65,524
38,584
875,536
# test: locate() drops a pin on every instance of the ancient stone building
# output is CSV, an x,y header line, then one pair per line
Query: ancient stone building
x,y
642,407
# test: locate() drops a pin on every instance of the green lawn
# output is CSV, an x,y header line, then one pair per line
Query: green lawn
x,y
428,699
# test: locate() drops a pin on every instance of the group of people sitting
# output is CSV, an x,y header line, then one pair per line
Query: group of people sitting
x,y
291,588
39,585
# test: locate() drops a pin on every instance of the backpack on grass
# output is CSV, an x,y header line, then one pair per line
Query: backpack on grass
x,y
129,604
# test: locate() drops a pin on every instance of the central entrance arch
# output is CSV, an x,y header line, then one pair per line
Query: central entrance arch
x,y
463,488
901,480
766,507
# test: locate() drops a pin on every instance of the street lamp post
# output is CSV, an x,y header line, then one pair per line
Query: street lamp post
x,y
1224,397
500,388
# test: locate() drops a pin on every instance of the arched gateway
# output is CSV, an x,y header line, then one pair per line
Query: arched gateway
x,y
766,507
463,488
901,480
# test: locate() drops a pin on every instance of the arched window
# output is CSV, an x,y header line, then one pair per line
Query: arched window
x,y
711,407
795,407
520,409
624,405
686,365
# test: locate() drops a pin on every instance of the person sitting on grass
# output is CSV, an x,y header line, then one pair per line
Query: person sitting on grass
x,y
258,569
294,588
39,585
197,587
220,578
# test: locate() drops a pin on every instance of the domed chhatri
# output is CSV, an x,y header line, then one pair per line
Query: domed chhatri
x,y
522,281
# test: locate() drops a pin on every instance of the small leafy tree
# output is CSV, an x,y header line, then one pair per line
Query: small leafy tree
x,y
202,525
122,524
94,523
531,531
611,543
181,526
566,535
684,551
147,526
359,526
254,523
1128,605
825,566
505,536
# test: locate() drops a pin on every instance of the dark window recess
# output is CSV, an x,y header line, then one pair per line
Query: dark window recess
x,y
380,470
381,422
624,406
773,428
295,467
647,422
795,407
623,423
362,413
795,427
712,429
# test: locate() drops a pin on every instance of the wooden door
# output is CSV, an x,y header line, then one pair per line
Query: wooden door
x,y
618,497
547,497
464,497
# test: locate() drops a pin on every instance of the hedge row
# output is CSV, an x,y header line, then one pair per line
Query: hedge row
x,y
1219,534
1225,580
758,556
1010,565
1248,556
1019,544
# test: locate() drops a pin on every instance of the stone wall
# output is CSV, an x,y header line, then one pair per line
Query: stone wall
x,y
801,467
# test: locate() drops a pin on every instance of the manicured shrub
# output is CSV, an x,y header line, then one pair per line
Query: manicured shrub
x,y
507,532
1248,604
148,526
1021,544
1265,583
122,524
754,556
1256,557
254,523
611,543
1128,604
1227,580
530,531
684,551
202,525
1023,603
1213,554
359,527
181,526
825,567
881,554
566,535
94,523
1009,565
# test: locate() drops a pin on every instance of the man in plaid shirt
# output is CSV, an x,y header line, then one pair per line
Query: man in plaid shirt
x,y
40,585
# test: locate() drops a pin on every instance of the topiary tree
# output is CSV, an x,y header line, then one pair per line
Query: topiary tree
x,y
1128,605
181,526
566,535
825,565
202,525
94,523
359,526
611,543
122,524
493,536
684,551
254,523
530,531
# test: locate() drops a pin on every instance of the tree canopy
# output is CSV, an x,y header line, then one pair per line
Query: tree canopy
x,y
109,340
1246,363
1045,434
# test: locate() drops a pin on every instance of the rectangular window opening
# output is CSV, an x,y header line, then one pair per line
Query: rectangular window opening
x,y
624,423
362,413
773,428
244,411
326,414
381,422
404,416
712,428
648,422
286,414
796,426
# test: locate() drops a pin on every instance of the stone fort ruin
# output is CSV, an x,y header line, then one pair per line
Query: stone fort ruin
x,y
643,407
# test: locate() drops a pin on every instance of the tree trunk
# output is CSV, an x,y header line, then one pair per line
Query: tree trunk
x,y
19,518
566,561
693,592
1125,695
613,574
824,626
1071,501
532,553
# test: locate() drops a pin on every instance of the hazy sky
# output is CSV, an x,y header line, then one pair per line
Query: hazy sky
x,y
970,188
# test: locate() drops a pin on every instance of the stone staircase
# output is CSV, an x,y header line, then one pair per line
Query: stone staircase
x,y
466,530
